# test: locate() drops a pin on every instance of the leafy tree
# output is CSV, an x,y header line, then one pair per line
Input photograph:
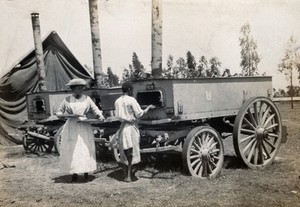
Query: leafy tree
x,y
191,65
138,68
214,70
288,64
249,55
180,71
112,79
202,67
126,76
168,72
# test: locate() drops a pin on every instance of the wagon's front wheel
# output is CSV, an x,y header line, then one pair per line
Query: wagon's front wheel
x,y
203,152
257,132
34,144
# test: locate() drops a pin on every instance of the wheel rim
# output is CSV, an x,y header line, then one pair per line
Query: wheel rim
x,y
35,144
204,153
257,133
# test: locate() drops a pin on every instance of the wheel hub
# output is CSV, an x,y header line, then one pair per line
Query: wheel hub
x,y
261,133
205,153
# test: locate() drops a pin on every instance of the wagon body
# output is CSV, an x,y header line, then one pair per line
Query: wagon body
x,y
188,99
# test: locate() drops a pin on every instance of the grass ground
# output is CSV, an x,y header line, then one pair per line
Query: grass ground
x,y
34,180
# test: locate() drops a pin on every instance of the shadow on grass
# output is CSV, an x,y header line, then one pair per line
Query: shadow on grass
x,y
232,162
119,175
68,179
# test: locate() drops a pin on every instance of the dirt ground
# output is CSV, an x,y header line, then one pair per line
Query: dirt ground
x,y
34,180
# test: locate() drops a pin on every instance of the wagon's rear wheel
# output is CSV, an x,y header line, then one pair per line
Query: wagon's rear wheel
x,y
257,132
203,152
57,140
34,144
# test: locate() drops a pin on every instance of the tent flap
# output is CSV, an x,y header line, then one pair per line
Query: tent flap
x,y
61,66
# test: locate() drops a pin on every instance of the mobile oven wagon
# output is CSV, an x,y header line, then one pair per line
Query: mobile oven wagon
x,y
192,116
42,131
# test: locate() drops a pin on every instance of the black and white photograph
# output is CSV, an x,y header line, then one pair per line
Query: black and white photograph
x,y
150,103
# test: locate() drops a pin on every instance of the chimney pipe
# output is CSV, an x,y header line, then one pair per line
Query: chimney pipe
x,y
95,34
38,51
156,61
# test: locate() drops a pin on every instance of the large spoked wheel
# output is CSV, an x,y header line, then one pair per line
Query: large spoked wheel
x,y
203,152
34,144
57,140
257,132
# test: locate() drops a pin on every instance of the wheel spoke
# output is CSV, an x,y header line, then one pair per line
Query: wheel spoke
x,y
247,138
266,150
248,145
195,162
270,144
32,146
197,167
214,151
44,147
268,120
212,146
215,157
252,118
210,142
209,167
249,123
255,156
247,131
201,170
214,164
205,139
273,135
255,112
194,156
260,113
272,126
198,140
251,151
265,115
195,151
260,153
195,144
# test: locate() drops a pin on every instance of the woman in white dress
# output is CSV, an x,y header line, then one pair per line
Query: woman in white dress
x,y
77,153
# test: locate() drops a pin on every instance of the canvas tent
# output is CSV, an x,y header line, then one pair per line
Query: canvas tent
x,y
60,65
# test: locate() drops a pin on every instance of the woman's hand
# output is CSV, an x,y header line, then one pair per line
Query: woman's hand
x,y
149,107
101,118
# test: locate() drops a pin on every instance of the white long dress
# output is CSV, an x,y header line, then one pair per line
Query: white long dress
x,y
127,108
77,153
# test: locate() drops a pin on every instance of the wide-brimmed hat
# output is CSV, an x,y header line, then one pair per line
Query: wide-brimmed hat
x,y
77,82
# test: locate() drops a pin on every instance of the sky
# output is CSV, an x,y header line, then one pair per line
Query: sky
x,y
206,27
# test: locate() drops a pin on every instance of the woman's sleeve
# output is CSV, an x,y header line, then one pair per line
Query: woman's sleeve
x,y
138,112
94,108
62,108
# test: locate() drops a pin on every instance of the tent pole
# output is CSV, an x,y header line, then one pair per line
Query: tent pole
x,y
156,60
38,51
95,35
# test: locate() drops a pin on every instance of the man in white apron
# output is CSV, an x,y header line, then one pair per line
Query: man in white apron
x,y
128,111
